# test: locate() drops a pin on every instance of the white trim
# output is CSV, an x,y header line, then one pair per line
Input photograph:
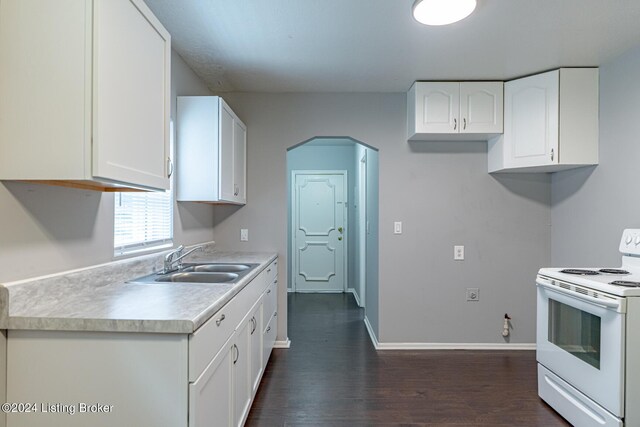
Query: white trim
x,y
345,220
442,346
453,346
362,227
355,295
314,291
372,335
282,344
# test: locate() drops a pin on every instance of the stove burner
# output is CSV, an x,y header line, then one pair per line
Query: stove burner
x,y
579,271
613,271
625,283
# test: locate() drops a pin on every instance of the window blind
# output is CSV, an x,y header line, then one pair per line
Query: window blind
x,y
142,221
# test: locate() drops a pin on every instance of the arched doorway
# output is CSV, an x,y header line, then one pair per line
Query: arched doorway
x,y
333,217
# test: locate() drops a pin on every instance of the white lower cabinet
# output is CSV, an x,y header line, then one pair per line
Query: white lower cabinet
x,y
257,366
223,393
210,396
242,371
205,379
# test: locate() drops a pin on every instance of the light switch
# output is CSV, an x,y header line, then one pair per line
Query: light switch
x,y
397,227
458,253
244,235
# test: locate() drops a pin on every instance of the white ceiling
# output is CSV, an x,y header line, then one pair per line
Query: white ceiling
x,y
376,46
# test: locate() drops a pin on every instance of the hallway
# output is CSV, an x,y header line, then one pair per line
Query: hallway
x,y
332,376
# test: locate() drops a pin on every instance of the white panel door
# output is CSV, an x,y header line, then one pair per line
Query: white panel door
x,y
531,128
319,220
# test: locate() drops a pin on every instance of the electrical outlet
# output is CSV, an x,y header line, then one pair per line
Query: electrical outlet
x,y
458,253
244,235
473,294
397,227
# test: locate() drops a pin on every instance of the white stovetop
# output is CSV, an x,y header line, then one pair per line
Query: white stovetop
x,y
600,282
630,250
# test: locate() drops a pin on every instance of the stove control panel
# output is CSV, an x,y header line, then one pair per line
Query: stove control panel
x,y
630,242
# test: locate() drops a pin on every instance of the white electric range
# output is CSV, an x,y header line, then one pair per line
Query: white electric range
x,y
588,340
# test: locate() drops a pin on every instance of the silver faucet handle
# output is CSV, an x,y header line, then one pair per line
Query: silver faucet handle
x,y
175,253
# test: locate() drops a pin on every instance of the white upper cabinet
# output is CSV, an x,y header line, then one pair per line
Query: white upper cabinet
x,y
551,123
211,151
85,94
454,110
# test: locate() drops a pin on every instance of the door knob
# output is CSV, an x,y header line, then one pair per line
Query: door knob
x,y
340,238
340,229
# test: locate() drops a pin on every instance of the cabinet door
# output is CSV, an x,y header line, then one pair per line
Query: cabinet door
x,y
531,124
269,338
437,107
242,372
131,93
256,348
210,397
226,153
481,107
239,161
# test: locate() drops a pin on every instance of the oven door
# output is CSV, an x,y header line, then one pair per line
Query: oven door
x,y
581,339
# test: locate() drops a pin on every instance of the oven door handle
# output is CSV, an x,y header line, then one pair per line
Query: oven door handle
x,y
597,301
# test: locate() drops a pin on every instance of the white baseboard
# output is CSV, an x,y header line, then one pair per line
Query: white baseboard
x,y
355,295
442,346
372,335
453,346
282,344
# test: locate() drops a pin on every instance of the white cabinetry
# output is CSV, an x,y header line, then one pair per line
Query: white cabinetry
x,y
211,151
551,123
208,378
230,380
210,396
85,94
454,110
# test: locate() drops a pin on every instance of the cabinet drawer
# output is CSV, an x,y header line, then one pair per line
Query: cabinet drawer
x,y
270,302
272,271
269,338
207,341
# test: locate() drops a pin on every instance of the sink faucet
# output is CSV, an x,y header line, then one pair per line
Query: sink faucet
x,y
175,257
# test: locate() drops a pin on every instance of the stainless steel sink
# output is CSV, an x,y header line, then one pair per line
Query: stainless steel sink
x,y
207,273
194,277
224,268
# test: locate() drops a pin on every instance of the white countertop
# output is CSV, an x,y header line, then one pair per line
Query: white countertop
x,y
99,299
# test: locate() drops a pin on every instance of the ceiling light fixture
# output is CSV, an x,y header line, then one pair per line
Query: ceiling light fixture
x,y
442,12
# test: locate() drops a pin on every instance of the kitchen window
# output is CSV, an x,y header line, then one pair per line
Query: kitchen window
x,y
143,221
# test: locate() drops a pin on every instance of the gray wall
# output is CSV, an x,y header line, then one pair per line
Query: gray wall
x,y
443,195
48,229
591,206
339,155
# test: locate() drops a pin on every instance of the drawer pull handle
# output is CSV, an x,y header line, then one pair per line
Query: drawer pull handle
x,y
269,291
219,321
254,322
268,270
275,281
237,354
269,328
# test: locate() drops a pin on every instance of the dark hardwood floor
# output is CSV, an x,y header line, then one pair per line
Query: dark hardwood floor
x,y
332,376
